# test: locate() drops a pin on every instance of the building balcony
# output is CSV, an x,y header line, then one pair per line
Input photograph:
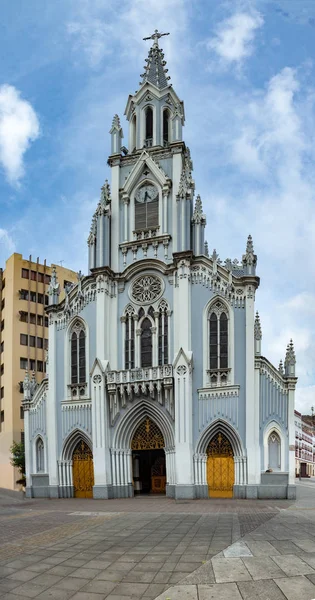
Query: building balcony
x,y
126,385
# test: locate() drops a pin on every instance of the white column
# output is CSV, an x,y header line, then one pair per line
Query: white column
x,y
137,345
113,457
27,444
183,431
123,338
126,220
101,299
115,215
204,469
118,480
165,195
183,225
52,412
291,428
100,428
177,169
252,410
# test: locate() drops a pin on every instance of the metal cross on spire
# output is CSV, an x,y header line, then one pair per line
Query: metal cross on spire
x,y
155,37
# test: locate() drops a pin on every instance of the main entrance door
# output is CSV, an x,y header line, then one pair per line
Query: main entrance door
x,y
148,459
220,467
83,472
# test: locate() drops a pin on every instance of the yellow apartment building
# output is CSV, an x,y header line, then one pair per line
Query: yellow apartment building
x,y
23,344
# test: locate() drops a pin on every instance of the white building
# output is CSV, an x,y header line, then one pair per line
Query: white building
x,y
156,378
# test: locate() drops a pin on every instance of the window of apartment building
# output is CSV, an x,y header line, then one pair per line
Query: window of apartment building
x,y
2,393
33,296
22,437
40,277
21,387
21,412
46,300
32,341
23,339
46,344
40,298
23,294
1,347
33,275
46,321
32,364
40,319
23,363
23,316
25,273
2,325
2,303
47,278
32,318
40,366
3,284
1,419
39,342
45,367
2,369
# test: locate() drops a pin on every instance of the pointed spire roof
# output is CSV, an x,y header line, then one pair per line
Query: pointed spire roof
x,y
198,216
154,70
257,327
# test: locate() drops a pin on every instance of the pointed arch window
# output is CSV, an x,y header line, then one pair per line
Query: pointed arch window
x,y
146,343
130,341
163,334
149,127
166,124
274,451
78,355
40,460
218,368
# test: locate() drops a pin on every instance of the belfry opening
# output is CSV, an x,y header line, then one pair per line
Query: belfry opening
x,y
148,459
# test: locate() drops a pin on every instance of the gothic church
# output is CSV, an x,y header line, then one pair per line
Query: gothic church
x,y
156,382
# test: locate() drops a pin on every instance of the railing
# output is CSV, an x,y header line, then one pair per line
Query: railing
x,y
77,390
218,377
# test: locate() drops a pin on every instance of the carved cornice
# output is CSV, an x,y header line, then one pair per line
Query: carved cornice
x,y
227,391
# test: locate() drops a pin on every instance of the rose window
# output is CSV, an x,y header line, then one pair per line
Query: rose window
x,y
147,289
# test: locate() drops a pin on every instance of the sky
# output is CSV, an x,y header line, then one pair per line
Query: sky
x,y
245,71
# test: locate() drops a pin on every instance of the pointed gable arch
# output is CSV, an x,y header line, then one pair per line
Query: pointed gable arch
x,y
136,172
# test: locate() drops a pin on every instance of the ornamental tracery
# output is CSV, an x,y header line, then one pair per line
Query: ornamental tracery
x,y
146,289
147,436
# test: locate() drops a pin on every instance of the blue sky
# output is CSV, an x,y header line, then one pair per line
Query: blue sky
x,y
245,70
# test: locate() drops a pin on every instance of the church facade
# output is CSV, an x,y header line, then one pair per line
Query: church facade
x,y
156,382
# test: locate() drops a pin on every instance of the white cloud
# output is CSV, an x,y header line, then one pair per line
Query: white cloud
x,y
19,126
6,242
233,40
93,37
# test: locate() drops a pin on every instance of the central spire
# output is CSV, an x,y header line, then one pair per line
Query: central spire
x,y
155,72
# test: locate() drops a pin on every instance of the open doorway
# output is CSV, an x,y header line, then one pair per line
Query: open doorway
x,y
148,459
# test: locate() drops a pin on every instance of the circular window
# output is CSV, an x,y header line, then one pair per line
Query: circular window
x,y
146,289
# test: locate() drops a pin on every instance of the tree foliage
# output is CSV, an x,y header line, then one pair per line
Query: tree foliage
x,y
18,460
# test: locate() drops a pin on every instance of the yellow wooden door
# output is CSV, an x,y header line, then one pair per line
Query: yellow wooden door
x,y
220,468
83,471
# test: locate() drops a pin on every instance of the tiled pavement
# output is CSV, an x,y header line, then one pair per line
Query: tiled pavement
x,y
149,548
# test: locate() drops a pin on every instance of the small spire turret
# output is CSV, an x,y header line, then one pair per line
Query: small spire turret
x,y
198,228
290,360
281,369
117,135
257,334
206,248
249,259
53,288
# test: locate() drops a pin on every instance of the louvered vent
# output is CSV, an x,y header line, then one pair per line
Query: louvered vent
x,y
146,215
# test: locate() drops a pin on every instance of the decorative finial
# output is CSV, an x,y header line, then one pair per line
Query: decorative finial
x,y
105,193
27,387
116,122
290,360
155,37
206,248
249,258
257,327
214,255
281,369
198,216
53,288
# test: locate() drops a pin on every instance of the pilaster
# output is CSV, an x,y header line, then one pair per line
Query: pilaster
x,y
100,427
252,408
52,439
184,478
115,215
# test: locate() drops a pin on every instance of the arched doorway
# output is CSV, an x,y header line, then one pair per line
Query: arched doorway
x,y
220,467
83,471
148,459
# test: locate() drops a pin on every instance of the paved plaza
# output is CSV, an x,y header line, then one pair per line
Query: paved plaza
x,y
153,547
